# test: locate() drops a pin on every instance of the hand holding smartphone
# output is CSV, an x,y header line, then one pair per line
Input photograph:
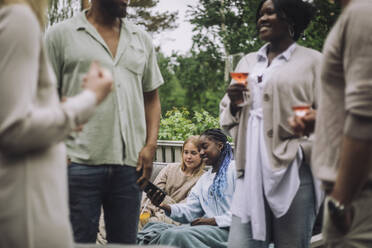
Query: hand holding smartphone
x,y
154,193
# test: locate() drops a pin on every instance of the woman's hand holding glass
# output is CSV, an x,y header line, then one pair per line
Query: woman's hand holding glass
x,y
303,123
236,93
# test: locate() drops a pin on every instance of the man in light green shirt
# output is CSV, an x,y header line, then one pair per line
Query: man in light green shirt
x,y
121,137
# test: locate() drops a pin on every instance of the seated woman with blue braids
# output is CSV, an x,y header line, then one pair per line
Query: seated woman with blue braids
x,y
207,209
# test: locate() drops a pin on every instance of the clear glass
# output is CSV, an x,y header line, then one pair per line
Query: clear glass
x,y
233,60
231,64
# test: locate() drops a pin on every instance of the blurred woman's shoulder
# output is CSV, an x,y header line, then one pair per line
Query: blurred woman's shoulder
x,y
18,16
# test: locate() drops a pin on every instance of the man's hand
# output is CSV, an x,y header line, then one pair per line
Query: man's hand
x,y
144,165
303,126
204,221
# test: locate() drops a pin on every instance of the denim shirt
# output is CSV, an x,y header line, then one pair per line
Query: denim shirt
x,y
200,204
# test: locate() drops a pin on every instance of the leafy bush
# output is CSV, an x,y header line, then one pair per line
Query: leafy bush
x,y
179,124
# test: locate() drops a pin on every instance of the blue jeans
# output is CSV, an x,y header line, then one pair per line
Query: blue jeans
x,y
293,230
111,186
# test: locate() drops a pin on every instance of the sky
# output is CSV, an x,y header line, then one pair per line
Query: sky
x,y
178,40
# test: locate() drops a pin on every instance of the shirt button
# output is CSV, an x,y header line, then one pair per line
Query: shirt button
x,y
270,133
266,97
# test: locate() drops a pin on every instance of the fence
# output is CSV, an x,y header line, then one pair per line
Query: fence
x,y
168,151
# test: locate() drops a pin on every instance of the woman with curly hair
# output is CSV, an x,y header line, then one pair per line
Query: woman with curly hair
x,y
276,198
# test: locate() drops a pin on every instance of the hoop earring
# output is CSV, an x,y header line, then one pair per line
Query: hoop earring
x,y
291,31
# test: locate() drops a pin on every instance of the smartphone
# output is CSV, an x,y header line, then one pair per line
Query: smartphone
x,y
151,189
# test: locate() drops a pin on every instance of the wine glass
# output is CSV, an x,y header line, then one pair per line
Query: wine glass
x,y
231,67
301,110
231,63
240,77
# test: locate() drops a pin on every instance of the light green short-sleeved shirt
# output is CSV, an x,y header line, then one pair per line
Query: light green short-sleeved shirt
x,y
117,131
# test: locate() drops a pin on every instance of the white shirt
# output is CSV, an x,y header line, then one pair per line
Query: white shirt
x,y
279,187
201,204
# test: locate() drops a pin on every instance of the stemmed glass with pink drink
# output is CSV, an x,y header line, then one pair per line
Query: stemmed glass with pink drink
x,y
301,110
240,77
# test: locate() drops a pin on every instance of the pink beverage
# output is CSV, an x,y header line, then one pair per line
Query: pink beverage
x,y
240,77
301,110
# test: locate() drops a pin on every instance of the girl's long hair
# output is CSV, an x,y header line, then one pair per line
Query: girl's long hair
x,y
195,141
39,7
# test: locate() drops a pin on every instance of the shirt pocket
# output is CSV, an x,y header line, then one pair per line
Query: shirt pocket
x,y
135,60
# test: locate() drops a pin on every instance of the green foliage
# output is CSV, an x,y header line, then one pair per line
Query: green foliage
x,y
201,75
192,81
140,12
171,93
227,25
60,10
179,124
230,25
325,16
153,22
203,121
221,28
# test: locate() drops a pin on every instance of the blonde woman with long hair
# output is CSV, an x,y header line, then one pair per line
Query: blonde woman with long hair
x,y
33,124
176,180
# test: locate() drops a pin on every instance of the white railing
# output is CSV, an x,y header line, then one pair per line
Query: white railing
x,y
170,151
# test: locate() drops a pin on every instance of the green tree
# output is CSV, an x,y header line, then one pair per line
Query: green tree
x,y
326,14
224,27
60,10
201,75
229,25
154,22
171,93
179,123
140,12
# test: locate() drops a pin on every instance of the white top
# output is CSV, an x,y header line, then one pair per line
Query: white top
x,y
201,204
280,186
